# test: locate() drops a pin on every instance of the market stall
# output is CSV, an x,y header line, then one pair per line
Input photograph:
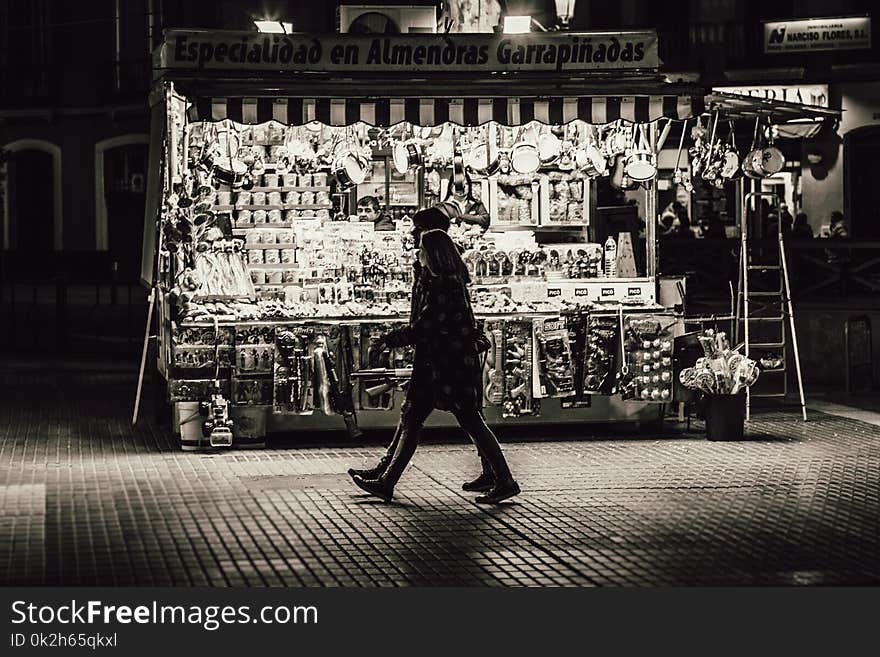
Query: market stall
x,y
270,293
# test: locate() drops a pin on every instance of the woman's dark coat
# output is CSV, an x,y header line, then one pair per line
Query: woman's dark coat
x,y
446,367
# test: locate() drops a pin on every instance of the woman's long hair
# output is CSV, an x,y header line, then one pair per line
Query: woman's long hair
x,y
442,256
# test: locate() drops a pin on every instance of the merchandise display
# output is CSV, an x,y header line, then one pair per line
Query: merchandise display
x,y
553,374
647,344
266,266
722,370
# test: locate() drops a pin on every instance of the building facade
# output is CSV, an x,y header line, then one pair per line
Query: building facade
x,y
74,134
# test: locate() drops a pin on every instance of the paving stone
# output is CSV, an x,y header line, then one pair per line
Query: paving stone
x,y
86,499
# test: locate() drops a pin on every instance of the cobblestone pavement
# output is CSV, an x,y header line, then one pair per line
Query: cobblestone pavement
x,y
85,499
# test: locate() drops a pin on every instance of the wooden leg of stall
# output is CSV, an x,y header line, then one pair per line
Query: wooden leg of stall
x,y
140,384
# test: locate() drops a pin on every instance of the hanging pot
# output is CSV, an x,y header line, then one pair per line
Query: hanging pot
x,y
549,148
406,154
619,179
591,160
730,170
460,180
525,157
772,159
641,164
566,158
350,169
753,161
480,161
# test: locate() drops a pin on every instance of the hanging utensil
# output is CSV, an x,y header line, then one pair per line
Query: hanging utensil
x,y
731,169
772,159
524,155
752,163
549,148
641,164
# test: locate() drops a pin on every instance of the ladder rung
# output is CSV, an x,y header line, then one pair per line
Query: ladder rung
x,y
781,368
766,319
768,394
767,267
772,293
767,345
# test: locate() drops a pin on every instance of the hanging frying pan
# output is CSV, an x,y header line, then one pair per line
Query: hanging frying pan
x,y
772,159
350,169
752,162
406,154
479,160
524,156
641,164
549,148
731,169
226,168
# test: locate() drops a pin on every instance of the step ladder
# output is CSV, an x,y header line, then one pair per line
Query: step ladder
x,y
763,306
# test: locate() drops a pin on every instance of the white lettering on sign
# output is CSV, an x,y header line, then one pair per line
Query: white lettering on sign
x,y
554,292
581,292
805,94
607,292
850,33
548,51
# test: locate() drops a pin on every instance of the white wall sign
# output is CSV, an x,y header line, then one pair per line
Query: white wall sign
x,y
817,34
805,94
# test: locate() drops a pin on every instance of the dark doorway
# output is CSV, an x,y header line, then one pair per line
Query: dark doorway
x,y
125,177
861,153
31,202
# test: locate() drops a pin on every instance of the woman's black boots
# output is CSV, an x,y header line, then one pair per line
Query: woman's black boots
x,y
484,482
371,473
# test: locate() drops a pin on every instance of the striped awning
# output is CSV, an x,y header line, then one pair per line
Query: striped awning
x,y
385,112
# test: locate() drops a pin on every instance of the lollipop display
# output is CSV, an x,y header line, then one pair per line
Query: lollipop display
x,y
722,374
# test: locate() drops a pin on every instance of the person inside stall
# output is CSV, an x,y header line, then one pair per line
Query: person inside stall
x,y
801,229
473,213
711,227
786,219
465,209
838,225
837,230
447,373
368,209
674,221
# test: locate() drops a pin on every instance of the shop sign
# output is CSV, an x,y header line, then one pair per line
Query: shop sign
x,y
813,34
569,52
805,94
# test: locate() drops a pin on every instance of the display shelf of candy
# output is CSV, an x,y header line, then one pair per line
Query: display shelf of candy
x,y
539,229
648,348
516,201
574,261
282,206
281,189
562,199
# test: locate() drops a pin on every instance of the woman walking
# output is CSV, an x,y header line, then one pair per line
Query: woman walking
x,y
446,371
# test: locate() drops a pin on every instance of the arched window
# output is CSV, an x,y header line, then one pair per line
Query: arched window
x,y
120,192
33,199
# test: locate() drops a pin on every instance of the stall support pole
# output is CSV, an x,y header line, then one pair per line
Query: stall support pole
x,y
651,217
146,347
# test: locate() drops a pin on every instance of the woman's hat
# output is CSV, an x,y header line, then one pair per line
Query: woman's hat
x,y
430,219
